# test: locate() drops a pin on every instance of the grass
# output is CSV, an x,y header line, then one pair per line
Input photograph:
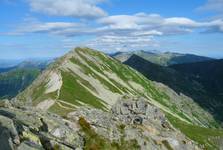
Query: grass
x,y
93,141
74,93
38,94
59,110
89,71
205,137
126,74
167,145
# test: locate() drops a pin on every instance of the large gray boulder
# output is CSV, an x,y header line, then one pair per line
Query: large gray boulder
x,y
28,128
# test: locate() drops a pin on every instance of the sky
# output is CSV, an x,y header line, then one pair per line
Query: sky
x,y
50,28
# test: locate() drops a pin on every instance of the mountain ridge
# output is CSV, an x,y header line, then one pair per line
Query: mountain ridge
x,y
162,58
86,77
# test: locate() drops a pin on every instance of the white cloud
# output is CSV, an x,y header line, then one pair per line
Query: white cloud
x,y
180,21
214,26
147,33
50,26
149,23
140,24
137,21
121,43
73,8
212,5
121,31
31,25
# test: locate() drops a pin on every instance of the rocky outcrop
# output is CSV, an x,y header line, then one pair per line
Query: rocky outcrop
x,y
135,119
27,128
132,123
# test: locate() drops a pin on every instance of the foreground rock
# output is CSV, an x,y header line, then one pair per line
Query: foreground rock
x,y
135,120
131,124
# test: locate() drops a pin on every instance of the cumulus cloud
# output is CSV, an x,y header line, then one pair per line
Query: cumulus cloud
x,y
73,8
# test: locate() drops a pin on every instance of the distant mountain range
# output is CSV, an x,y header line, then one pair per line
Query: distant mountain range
x,y
16,78
160,58
7,63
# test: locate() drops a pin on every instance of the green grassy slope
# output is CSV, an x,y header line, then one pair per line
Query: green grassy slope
x,y
209,139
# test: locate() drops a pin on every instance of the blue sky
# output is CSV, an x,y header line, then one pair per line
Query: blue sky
x,y
50,28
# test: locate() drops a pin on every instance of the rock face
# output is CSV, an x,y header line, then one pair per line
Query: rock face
x,y
131,123
26,128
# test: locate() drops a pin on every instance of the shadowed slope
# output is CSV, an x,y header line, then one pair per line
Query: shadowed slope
x,y
181,83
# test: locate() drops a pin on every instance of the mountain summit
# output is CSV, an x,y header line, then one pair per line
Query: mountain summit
x,y
84,74
86,77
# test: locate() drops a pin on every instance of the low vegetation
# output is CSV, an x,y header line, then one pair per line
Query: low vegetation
x,y
75,93
207,138
93,141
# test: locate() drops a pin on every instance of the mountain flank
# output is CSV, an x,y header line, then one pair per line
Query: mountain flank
x,y
200,81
